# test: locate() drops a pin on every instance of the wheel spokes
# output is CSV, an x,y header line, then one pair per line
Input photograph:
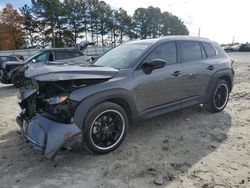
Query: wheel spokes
x,y
107,129
221,96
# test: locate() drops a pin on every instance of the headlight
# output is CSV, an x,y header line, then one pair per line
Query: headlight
x,y
57,99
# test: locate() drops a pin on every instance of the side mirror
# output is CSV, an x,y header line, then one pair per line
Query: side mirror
x,y
148,67
91,59
33,60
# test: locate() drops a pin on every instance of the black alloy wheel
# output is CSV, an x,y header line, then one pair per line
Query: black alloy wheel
x,y
219,96
105,127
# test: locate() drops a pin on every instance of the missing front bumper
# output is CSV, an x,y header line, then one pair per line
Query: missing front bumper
x,y
48,136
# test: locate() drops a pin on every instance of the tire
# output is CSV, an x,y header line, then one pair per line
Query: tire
x,y
105,128
18,80
218,103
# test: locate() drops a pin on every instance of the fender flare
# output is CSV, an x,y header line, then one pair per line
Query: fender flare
x,y
87,103
221,73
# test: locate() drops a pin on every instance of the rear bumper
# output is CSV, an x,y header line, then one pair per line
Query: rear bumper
x,y
48,136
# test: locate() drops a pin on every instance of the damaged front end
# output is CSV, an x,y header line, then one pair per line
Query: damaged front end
x,y
46,120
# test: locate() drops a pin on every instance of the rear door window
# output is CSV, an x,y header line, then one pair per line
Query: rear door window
x,y
166,52
191,51
75,54
210,51
62,55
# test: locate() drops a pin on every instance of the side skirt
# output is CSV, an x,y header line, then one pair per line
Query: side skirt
x,y
170,107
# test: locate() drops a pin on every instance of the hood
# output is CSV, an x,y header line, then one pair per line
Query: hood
x,y
61,73
67,62
12,63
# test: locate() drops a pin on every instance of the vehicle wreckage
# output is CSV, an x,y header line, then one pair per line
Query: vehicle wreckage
x,y
47,117
136,80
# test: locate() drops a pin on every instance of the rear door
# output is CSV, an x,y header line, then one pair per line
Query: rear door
x,y
60,55
196,70
162,86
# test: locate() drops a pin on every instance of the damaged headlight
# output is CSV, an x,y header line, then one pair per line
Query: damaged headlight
x,y
57,99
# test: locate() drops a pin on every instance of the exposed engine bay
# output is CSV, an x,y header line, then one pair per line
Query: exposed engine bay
x,y
52,98
46,120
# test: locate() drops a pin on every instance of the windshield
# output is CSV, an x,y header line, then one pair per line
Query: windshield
x,y
32,57
123,56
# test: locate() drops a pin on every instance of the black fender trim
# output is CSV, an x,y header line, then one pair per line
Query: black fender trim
x,y
221,73
87,103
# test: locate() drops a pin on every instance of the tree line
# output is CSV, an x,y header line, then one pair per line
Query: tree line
x,y
63,23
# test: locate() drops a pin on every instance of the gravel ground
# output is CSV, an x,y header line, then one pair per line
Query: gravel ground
x,y
189,148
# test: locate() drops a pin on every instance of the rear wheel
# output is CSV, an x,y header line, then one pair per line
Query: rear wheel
x,y
105,127
219,96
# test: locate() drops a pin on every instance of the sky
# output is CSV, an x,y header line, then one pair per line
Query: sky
x,y
219,20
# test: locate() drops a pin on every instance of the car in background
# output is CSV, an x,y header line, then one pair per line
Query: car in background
x,y
4,58
245,47
13,71
237,47
232,48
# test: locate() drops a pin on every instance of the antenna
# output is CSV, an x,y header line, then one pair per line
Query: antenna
x,y
199,32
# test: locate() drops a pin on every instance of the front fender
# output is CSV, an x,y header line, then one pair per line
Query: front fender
x,y
87,103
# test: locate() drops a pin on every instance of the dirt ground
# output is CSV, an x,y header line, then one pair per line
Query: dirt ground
x,y
190,148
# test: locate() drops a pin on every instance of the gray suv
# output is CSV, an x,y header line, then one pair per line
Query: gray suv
x,y
136,80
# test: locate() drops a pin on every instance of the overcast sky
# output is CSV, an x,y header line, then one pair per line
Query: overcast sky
x,y
218,20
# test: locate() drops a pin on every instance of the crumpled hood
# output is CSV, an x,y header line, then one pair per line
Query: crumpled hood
x,y
59,73
12,63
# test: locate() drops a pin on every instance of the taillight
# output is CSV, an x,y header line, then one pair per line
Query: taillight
x,y
232,62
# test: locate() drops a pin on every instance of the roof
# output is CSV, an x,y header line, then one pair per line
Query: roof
x,y
59,49
171,37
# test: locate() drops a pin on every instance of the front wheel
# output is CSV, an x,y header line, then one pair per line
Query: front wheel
x,y
219,96
105,127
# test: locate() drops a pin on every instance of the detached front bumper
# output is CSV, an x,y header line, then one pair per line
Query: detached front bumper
x,y
48,136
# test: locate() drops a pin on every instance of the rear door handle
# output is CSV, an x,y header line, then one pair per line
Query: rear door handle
x,y
176,73
210,67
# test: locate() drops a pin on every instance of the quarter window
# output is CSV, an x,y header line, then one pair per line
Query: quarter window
x,y
166,52
191,51
210,51
203,52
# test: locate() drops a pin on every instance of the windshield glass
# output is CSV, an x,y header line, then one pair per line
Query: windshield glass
x,y
33,56
123,56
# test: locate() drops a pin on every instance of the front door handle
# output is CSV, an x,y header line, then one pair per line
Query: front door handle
x,y
210,67
176,73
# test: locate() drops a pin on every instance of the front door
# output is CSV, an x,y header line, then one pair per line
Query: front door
x,y
162,86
